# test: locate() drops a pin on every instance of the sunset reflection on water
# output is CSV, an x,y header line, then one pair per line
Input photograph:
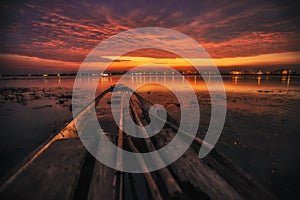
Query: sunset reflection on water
x,y
232,83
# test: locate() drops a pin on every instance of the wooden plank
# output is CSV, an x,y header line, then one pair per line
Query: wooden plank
x,y
120,175
101,186
150,181
154,190
52,175
194,173
173,188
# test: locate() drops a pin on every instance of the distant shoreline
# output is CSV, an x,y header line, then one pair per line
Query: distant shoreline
x,y
118,74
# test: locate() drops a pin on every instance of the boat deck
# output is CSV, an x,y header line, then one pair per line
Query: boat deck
x,y
62,168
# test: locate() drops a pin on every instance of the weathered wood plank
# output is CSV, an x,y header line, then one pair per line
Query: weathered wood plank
x,y
150,181
101,186
52,175
119,176
173,188
194,173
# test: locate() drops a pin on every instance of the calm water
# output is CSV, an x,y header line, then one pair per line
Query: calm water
x,y
232,83
260,133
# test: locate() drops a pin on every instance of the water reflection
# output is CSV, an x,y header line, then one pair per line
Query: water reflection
x,y
233,83
258,80
285,80
235,79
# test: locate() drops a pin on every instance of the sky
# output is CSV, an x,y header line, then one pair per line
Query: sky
x,y
56,36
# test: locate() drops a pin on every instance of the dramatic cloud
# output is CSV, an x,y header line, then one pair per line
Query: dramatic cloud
x,y
68,30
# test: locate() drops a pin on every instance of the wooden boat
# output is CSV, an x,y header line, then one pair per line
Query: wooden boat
x,y
61,168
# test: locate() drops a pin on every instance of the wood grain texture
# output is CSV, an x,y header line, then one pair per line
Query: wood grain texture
x,y
53,175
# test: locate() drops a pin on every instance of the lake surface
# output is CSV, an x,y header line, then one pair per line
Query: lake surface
x,y
261,132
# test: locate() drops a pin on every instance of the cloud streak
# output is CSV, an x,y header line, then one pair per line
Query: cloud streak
x,y
67,31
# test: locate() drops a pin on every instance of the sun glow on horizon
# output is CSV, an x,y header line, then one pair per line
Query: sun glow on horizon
x,y
264,59
126,62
